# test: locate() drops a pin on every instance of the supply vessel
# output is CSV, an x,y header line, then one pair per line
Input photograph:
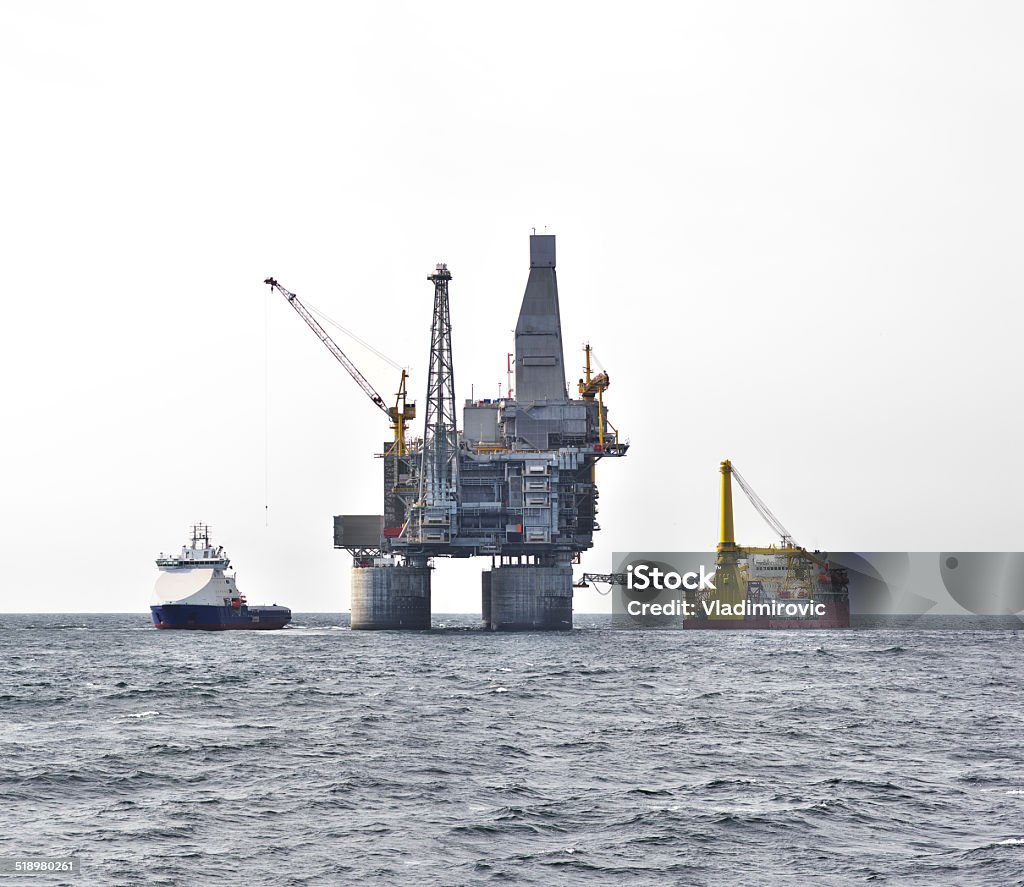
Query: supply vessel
x,y
195,591
767,587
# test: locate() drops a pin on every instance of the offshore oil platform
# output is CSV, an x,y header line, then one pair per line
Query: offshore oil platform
x,y
516,484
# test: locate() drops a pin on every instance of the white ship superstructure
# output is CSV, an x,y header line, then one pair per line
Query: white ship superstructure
x,y
198,575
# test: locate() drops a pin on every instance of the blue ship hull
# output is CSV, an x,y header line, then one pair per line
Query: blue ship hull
x,y
200,617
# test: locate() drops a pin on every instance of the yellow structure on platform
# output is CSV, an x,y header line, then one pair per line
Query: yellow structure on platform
x,y
730,577
727,532
400,415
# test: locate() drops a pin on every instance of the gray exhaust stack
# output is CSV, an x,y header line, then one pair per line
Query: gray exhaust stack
x,y
540,367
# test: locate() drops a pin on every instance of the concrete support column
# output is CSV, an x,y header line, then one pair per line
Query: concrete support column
x,y
391,597
485,597
531,598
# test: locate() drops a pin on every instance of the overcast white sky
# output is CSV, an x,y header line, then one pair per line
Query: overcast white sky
x,y
790,230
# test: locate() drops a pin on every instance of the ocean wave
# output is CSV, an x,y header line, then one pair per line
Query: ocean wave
x,y
601,757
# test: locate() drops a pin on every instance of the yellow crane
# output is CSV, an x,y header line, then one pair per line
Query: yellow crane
x,y
730,574
591,386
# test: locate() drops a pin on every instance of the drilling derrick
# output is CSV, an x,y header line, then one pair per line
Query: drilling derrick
x,y
437,515
392,590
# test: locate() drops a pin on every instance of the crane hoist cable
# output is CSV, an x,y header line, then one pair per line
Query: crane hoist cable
x,y
332,322
332,346
762,509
